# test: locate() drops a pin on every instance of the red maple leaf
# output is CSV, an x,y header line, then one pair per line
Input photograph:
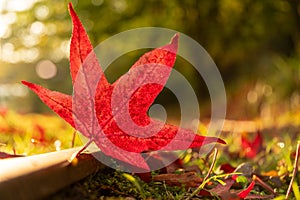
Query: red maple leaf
x,y
114,116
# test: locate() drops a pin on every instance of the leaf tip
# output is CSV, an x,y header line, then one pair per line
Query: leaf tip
x,y
72,11
174,43
26,83
243,194
221,141
175,39
32,86
70,6
172,47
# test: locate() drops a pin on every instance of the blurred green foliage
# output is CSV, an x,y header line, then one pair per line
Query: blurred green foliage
x,y
252,42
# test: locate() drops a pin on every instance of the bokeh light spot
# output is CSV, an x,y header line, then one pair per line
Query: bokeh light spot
x,y
252,97
97,2
37,28
42,12
46,69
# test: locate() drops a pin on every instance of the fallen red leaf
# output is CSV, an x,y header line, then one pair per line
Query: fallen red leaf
x,y
227,168
223,191
252,148
4,155
244,193
40,135
114,116
3,111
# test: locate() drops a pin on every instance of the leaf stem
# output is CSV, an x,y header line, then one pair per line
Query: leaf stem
x,y
263,184
74,155
73,138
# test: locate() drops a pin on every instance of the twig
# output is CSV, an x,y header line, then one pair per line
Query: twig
x,y
263,184
212,164
207,175
294,171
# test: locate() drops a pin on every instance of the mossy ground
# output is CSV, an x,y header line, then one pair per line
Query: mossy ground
x,y
111,184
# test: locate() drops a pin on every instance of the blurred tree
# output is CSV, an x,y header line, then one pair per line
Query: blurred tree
x,y
241,36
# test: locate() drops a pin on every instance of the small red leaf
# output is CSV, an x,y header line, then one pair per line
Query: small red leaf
x,y
227,168
244,193
3,111
40,136
252,148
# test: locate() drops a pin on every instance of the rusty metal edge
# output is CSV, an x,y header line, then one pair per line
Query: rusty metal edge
x,y
36,177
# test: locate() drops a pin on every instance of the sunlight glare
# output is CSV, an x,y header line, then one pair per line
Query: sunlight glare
x,y
9,7
17,5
